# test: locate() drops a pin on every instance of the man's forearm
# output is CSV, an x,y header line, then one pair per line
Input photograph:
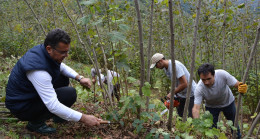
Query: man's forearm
x,y
180,88
195,113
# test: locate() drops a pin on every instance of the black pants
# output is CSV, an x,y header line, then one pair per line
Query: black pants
x,y
115,91
38,112
180,109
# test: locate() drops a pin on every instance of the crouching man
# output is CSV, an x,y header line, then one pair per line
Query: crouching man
x,y
37,88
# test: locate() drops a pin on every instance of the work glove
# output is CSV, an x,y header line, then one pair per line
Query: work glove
x,y
242,88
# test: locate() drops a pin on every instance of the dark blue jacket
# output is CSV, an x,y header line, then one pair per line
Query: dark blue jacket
x,y
20,91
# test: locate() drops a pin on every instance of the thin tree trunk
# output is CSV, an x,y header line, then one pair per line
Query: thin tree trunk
x,y
99,77
53,13
141,52
256,72
186,43
90,44
84,46
257,119
258,107
224,36
44,32
105,60
173,78
149,51
258,132
192,65
241,117
244,80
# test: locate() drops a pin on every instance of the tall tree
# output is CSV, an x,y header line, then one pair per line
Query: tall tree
x,y
149,51
34,14
173,78
224,35
53,13
193,56
140,30
253,50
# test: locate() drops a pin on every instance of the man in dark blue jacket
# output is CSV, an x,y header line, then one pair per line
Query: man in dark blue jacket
x,y
38,90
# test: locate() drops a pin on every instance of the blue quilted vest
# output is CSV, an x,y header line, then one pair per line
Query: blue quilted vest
x,y
20,91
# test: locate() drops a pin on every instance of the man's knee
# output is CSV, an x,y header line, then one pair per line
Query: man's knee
x,y
67,95
62,81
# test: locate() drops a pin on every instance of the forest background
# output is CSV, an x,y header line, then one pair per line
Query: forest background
x,y
106,32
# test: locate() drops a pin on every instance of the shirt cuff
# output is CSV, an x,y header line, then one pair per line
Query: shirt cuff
x,y
76,116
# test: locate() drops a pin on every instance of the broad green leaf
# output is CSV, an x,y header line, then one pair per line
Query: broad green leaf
x,y
123,65
222,136
116,36
245,126
123,27
151,106
242,5
230,123
99,21
209,133
146,89
166,135
87,3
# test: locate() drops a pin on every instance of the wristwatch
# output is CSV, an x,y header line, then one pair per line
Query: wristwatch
x,y
80,77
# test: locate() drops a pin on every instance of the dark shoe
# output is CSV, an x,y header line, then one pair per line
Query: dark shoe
x,y
40,128
57,120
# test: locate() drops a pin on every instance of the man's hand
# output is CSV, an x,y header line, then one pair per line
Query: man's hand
x,y
90,120
86,82
93,80
169,96
196,111
242,88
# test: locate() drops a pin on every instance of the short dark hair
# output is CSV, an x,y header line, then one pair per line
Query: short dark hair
x,y
55,36
206,68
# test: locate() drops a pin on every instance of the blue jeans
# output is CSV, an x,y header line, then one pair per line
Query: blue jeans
x,y
228,111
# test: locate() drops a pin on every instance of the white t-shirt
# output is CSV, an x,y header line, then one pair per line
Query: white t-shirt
x,y
110,76
180,71
41,81
219,95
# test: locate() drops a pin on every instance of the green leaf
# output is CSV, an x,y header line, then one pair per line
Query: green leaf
x,y
153,130
151,106
209,133
87,3
242,5
97,22
123,27
166,135
245,126
122,65
230,123
121,123
116,36
146,89
84,20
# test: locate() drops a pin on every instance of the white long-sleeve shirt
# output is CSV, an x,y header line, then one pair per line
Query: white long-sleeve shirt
x,y
41,81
